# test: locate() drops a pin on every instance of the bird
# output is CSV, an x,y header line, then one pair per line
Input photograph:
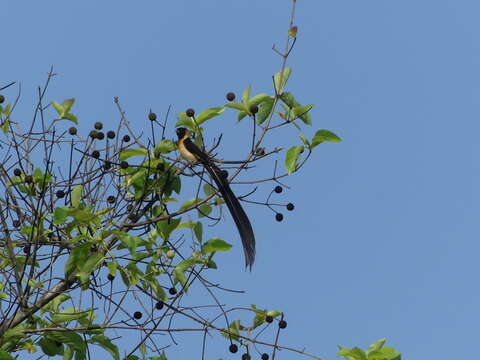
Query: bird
x,y
193,154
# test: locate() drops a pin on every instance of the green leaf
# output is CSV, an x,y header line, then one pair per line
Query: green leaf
x,y
112,268
58,108
377,345
165,146
322,136
209,190
305,141
179,272
77,195
280,79
215,244
292,158
237,106
5,126
204,210
69,338
185,121
71,117
107,345
128,153
166,227
352,354
69,314
265,109
258,99
5,356
301,112
241,115
198,231
233,331
92,263
246,97
77,257
189,203
208,114
50,347
67,105
60,215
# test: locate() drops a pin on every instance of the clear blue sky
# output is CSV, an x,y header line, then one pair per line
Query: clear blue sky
x,y
385,237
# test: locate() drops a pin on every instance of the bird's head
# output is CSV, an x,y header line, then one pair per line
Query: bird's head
x,y
181,132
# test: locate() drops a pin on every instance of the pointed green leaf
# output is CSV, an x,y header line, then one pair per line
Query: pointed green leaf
x,y
215,244
77,195
128,153
67,105
241,115
258,99
165,146
70,117
376,345
58,108
209,190
280,79
204,210
198,231
292,158
208,114
322,136
246,96
237,106
265,109
305,141
5,126
301,112
60,216
107,345
352,354
5,356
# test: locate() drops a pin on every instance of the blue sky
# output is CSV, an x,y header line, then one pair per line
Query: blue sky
x,y
384,238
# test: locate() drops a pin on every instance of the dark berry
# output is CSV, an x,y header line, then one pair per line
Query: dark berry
x,y
100,135
107,165
137,315
124,164
279,217
269,319
246,356
111,134
133,217
95,154
129,208
190,112
282,324
152,116
26,250
98,125
264,356
260,152
16,223
233,348
2,99
290,206
110,277
111,199
159,305
93,134
60,194
254,108
126,138
231,96
172,291
29,179
161,167
72,130
17,172
278,189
